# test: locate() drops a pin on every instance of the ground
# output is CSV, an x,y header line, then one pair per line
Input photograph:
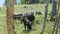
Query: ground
x,y
19,27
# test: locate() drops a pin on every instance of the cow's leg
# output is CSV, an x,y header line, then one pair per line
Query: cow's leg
x,y
29,27
25,26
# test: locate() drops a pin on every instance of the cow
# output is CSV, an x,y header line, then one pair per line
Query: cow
x,y
28,20
27,23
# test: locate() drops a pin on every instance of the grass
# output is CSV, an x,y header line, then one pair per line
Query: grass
x,y
19,27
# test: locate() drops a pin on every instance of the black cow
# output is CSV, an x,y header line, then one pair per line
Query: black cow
x,y
27,23
28,18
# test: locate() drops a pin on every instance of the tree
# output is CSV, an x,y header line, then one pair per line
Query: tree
x,y
45,17
54,8
10,22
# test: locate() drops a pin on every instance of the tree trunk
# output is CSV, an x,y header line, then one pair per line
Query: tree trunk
x,y
10,22
45,17
54,8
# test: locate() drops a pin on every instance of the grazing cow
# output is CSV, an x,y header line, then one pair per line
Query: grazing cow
x,y
27,23
38,13
28,20
24,20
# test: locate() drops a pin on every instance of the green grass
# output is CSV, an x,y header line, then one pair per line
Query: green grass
x,y
19,27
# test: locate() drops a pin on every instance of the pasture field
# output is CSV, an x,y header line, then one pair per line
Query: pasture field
x,y
19,27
